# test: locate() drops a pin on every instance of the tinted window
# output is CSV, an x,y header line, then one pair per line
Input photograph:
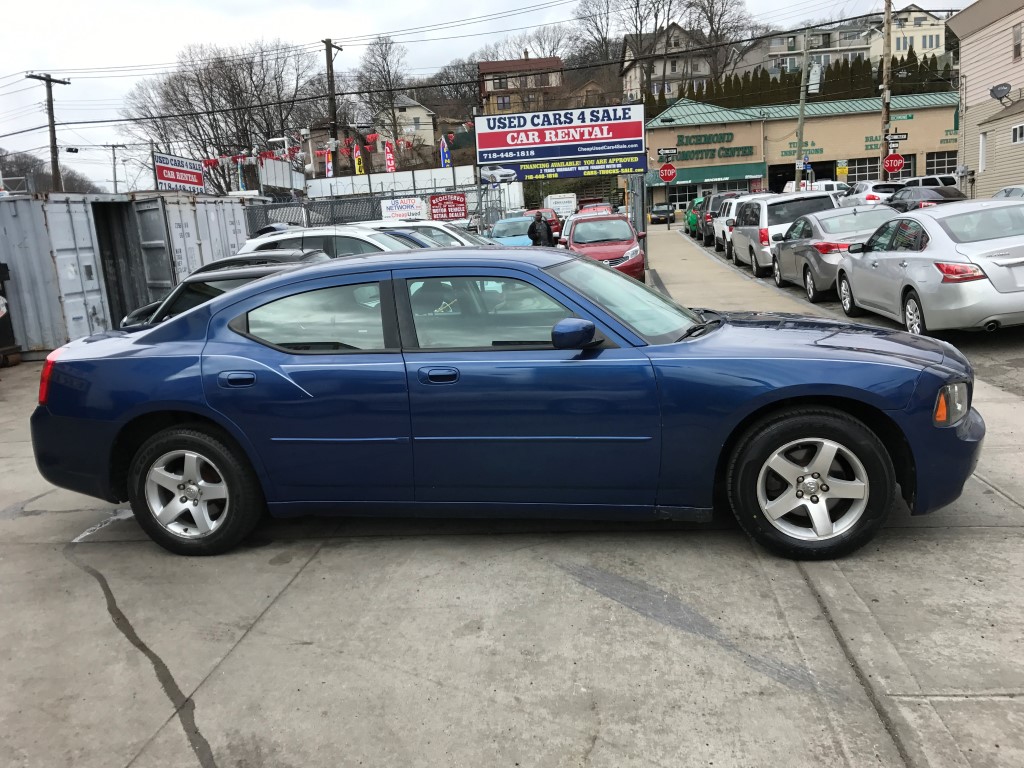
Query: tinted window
x,y
352,245
849,222
194,293
947,193
481,312
991,224
880,240
344,317
602,231
910,236
1015,192
388,242
887,189
786,211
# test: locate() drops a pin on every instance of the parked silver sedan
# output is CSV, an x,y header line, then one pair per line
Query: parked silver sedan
x,y
809,251
959,265
869,193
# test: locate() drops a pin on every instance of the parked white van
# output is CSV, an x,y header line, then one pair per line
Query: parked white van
x,y
822,185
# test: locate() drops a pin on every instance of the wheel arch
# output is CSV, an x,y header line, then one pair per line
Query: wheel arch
x,y
874,418
141,427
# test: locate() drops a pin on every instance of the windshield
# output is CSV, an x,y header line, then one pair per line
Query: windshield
x,y
602,231
655,317
987,224
475,239
786,211
192,294
854,222
390,243
661,207
511,228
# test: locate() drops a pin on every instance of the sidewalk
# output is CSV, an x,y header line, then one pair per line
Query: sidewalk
x,y
931,615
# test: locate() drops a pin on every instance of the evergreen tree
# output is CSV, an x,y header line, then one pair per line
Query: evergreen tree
x,y
844,82
699,92
879,74
912,76
895,81
662,101
774,94
764,87
690,94
947,78
712,94
747,90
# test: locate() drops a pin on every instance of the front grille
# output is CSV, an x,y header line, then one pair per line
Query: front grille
x,y
614,262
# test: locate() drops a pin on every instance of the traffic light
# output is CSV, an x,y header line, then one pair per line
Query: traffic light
x,y
72,150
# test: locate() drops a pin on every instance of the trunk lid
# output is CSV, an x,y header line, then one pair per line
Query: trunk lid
x,y
1002,260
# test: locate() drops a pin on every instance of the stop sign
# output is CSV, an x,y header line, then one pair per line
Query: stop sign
x,y
893,163
667,172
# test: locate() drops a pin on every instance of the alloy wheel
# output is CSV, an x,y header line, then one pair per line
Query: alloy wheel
x,y
187,494
912,316
777,272
809,285
845,296
813,489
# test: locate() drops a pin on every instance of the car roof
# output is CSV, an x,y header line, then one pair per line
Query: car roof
x,y
329,229
939,212
790,196
836,212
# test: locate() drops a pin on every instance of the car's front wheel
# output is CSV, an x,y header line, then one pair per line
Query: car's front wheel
x,y
810,483
777,273
192,493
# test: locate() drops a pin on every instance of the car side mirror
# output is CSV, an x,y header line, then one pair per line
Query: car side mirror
x,y
563,241
641,235
857,248
778,237
730,222
573,333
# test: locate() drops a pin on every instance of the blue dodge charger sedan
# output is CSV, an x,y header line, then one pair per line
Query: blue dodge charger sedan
x,y
504,383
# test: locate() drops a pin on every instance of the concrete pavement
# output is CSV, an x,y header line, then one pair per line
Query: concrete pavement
x,y
404,642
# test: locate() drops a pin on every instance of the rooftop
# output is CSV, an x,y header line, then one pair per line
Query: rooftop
x,y
514,66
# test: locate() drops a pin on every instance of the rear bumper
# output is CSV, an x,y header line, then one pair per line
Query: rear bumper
x,y
971,305
73,453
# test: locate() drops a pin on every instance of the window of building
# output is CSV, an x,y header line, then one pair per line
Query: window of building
x,y
982,147
919,21
675,42
1017,40
504,102
778,42
862,169
909,168
1017,134
849,36
501,83
401,109
852,57
940,162
904,42
821,59
542,80
674,65
416,123
681,194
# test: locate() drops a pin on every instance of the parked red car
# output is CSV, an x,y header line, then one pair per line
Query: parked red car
x,y
551,218
610,239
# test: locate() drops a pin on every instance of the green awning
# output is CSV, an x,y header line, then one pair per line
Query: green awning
x,y
709,174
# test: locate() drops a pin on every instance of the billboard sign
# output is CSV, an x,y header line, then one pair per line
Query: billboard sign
x,y
178,174
448,207
401,208
603,141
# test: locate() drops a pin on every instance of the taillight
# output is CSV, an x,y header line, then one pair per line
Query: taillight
x,y
959,273
925,204
707,217
730,229
763,235
872,197
824,248
46,375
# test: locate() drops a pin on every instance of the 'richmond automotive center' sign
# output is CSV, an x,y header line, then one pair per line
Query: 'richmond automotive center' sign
x,y
567,143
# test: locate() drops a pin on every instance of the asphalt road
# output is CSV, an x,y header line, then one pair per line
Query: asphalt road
x,y
998,357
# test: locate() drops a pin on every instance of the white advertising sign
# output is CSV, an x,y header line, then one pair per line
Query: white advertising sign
x,y
178,174
402,208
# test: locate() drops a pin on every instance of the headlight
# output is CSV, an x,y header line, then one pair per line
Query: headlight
x,y
951,405
634,251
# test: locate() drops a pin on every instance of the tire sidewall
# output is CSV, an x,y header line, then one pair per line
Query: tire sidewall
x,y
245,498
767,437
913,297
810,290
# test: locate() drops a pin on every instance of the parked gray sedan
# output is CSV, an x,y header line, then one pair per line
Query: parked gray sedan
x,y
810,250
958,265
869,192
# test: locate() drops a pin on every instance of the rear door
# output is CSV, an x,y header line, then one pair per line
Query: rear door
x,y
500,416
795,238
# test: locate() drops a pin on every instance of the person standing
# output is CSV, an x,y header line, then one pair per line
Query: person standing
x,y
539,231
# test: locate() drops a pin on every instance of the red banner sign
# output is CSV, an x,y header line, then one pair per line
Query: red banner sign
x,y
448,207
389,158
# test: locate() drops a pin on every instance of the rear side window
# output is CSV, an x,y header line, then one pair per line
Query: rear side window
x,y
337,319
976,226
786,211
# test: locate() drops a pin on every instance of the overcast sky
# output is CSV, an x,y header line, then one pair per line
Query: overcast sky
x,y
67,37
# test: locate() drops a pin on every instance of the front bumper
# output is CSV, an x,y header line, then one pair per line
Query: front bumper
x,y
953,455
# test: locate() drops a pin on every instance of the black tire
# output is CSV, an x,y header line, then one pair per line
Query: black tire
x,y
245,504
718,246
813,294
758,270
729,253
708,241
846,298
765,438
919,327
777,273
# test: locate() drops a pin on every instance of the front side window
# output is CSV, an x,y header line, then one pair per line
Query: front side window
x,y
481,313
337,319
880,240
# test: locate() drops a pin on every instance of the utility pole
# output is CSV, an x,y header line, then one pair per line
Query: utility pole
x,y
886,87
332,104
113,160
800,120
58,182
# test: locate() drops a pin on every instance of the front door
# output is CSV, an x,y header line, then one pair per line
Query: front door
x,y
499,415
868,280
315,379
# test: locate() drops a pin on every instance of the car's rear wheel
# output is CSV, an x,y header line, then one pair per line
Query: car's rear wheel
x,y
913,314
192,493
777,273
718,246
846,300
813,295
810,483
729,255
756,268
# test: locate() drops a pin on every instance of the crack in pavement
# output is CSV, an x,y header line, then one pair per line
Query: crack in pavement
x,y
184,706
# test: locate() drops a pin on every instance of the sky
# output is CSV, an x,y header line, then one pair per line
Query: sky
x,y
75,37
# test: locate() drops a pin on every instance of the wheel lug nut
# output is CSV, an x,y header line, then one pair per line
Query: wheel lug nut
x,y
799,494
184,499
800,479
814,499
181,487
815,475
824,488
195,503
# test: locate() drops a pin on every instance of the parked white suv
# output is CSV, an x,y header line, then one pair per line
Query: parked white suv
x,y
758,219
334,241
441,232
938,180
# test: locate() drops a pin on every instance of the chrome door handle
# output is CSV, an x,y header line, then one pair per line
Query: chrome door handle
x,y
874,265
903,264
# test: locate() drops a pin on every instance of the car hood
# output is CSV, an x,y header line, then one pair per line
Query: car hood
x,y
604,250
807,336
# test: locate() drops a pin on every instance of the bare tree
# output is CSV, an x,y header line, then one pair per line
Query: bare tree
x,y
452,91
382,77
226,101
37,174
643,23
720,26
595,26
